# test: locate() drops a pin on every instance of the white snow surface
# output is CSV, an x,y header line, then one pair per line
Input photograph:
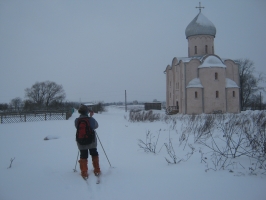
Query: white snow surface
x,y
212,61
43,169
195,83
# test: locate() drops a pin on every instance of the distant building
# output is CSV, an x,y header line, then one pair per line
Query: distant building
x,y
202,82
153,106
92,106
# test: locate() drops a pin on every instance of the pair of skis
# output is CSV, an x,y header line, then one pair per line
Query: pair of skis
x,y
97,181
86,179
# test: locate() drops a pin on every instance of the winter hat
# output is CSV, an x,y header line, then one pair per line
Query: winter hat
x,y
83,109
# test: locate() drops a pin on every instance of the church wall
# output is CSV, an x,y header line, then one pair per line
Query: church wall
x,y
212,101
168,80
175,83
178,86
182,90
170,87
229,70
194,101
232,100
192,70
232,71
200,41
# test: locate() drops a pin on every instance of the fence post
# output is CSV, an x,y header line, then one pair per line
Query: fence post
x,y
25,118
45,116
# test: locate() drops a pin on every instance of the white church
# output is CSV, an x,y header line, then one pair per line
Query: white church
x,y
202,82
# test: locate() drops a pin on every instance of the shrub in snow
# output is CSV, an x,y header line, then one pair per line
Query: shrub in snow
x,y
149,145
142,116
225,141
229,137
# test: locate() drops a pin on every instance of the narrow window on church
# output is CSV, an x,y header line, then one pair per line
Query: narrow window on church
x,y
234,94
195,49
206,49
216,76
196,95
217,94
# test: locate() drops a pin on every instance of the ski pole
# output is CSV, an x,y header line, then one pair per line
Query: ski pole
x,y
76,162
103,148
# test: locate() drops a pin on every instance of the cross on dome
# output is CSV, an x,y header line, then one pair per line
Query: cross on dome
x,y
199,7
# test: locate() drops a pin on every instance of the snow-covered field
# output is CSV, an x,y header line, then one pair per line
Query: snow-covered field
x,y
43,169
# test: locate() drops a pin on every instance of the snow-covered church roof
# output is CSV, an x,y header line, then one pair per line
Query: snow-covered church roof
x,y
195,83
230,83
212,61
200,25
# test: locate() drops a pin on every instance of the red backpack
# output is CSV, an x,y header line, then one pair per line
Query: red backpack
x,y
85,134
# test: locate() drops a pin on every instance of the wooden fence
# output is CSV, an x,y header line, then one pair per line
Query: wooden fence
x,y
15,117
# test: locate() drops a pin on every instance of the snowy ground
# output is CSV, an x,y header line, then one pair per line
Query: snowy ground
x,y
43,169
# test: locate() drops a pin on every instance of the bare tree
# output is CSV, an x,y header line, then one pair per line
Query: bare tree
x,y
36,93
16,103
44,93
54,92
3,106
249,84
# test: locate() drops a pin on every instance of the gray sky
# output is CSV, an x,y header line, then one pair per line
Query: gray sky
x,y
99,49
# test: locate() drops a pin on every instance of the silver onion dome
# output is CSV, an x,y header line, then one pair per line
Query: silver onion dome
x,y
200,25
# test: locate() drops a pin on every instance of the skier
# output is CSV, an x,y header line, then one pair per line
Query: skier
x,y
92,147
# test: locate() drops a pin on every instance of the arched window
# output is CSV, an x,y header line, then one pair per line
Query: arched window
x,y
206,49
216,76
195,49
234,95
196,95
217,94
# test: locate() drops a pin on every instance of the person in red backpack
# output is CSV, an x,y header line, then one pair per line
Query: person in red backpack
x,y
91,148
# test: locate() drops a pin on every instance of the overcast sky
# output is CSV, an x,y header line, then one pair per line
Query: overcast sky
x,y
97,49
